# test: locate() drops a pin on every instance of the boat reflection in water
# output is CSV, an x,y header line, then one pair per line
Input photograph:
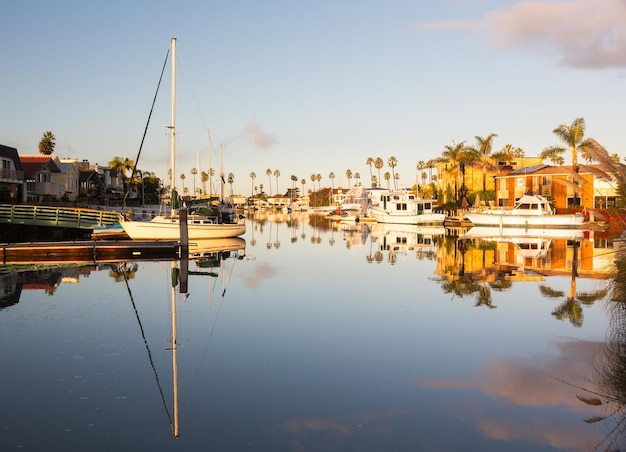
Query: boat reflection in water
x,y
398,240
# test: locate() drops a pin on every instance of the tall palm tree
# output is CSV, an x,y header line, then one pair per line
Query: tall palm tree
x,y
357,176
313,179
252,176
277,175
454,156
294,182
370,162
182,178
430,164
378,164
482,154
194,173
349,176
392,163
269,176
574,137
302,182
331,176
47,143
506,154
387,176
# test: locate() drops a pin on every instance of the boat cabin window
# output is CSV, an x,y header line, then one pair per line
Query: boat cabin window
x,y
427,206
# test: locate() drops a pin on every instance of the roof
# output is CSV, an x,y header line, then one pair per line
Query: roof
x,y
33,164
11,154
527,169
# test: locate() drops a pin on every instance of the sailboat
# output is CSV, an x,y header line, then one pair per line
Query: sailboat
x,y
202,223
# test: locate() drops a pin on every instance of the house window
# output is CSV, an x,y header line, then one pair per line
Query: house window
x,y
6,164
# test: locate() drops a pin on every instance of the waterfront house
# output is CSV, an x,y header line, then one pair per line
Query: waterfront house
x,y
38,171
11,176
565,187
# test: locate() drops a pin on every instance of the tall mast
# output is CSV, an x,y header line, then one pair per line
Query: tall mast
x,y
173,118
209,171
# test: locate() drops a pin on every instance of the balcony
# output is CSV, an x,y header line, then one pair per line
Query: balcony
x,y
11,176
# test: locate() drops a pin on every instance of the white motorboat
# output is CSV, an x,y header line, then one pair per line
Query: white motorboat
x,y
530,211
403,207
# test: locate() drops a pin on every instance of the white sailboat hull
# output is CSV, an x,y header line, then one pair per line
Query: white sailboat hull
x,y
168,228
383,216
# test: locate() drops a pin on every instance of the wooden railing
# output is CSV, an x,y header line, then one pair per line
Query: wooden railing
x,y
62,217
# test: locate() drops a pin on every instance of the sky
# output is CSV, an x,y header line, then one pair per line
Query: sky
x,y
311,86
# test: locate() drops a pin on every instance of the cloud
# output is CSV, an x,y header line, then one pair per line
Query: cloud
x,y
586,34
261,139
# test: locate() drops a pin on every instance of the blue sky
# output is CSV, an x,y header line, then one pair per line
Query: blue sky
x,y
309,87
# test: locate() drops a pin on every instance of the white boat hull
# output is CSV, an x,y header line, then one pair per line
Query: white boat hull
x,y
511,233
527,221
383,216
165,228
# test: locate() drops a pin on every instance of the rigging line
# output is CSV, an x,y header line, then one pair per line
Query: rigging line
x,y
143,335
146,128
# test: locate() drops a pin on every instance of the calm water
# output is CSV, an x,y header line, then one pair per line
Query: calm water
x,y
317,337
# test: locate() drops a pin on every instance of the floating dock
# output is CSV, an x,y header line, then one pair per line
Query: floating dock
x,y
86,251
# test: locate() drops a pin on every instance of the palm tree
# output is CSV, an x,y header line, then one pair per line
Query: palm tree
x,y
252,176
392,163
454,156
194,173
302,182
506,154
574,137
121,165
430,164
420,168
47,143
269,176
482,153
349,176
387,176
331,176
313,179
294,182
182,178
357,176
370,163
378,164
553,153
277,175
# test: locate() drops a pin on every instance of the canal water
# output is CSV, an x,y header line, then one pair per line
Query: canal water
x,y
308,335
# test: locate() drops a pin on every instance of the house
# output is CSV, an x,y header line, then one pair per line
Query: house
x,y
38,171
11,176
565,187
90,186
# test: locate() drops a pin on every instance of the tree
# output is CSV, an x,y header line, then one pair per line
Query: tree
x,y
482,154
204,177
357,176
277,175
387,176
194,173
252,176
313,180
378,164
392,163
303,181
331,176
454,156
553,153
269,176
349,176
47,143
574,137
370,163
182,178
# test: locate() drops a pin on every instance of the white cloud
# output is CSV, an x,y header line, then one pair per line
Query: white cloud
x,y
585,33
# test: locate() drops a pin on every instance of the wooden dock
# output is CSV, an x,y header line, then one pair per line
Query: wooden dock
x,y
86,251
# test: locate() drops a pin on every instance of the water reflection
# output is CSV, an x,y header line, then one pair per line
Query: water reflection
x,y
315,348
